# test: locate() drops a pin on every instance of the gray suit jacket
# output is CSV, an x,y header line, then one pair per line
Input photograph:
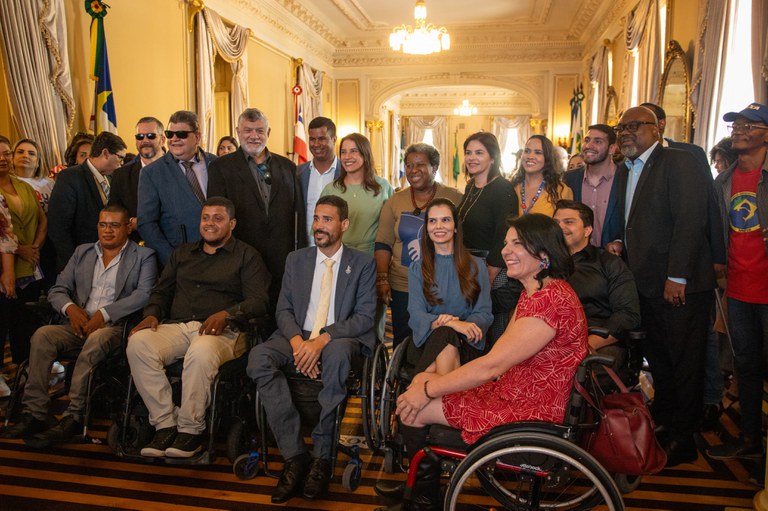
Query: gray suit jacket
x,y
136,274
355,301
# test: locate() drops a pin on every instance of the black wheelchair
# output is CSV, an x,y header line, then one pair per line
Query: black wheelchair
x,y
366,381
105,391
527,465
231,401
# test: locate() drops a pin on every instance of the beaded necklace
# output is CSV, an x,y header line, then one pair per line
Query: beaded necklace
x,y
416,208
535,197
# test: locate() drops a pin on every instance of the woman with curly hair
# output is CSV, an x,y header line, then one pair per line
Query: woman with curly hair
x,y
538,183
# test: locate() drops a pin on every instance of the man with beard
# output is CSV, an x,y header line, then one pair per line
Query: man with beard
x,y
664,205
318,333
322,169
265,190
202,284
125,181
597,184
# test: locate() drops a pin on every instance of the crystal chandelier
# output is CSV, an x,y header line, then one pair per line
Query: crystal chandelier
x,y
465,110
422,38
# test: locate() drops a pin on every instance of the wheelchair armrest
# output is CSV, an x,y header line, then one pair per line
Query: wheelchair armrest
x,y
599,330
589,361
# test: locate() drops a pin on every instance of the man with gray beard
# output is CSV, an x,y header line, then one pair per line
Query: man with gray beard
x,y
665,243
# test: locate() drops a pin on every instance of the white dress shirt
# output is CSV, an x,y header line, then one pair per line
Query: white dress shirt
x,y
314,297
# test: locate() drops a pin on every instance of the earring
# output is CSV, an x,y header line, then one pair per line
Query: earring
x,y
544,263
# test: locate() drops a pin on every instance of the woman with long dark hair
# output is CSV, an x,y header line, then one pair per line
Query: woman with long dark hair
x,y
488,200
449,296
538,180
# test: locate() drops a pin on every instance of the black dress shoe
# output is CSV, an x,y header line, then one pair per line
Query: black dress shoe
x,y
62,432
390,490
317,481
711,419
290,482
681,452
26,426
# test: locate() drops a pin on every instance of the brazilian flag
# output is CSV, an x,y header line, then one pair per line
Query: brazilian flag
x,y
103,117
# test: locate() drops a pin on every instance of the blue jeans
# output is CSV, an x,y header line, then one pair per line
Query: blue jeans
x,y
749,333
713,377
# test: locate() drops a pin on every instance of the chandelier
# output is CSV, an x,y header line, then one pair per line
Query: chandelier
x,y
465,110
422,38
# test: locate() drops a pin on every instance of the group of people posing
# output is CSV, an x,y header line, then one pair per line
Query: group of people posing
x,y
325,248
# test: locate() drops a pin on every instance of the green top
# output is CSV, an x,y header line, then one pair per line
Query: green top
x,y
24,221
364,210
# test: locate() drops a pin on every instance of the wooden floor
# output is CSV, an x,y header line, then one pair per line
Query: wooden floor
x,y
89,477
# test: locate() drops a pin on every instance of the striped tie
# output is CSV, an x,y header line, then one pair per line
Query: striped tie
x,y
192,178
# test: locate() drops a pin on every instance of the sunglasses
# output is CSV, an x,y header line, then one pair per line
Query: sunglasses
x,y
110,225
148,136
266,174
630,126
178,134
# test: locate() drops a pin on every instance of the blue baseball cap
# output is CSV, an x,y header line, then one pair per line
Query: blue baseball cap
x,y
754,112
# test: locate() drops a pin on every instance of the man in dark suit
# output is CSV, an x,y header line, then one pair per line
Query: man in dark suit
x,y
102,284
665,207
172,189
80,194
266,194
318,332
598,184
322,169
125,181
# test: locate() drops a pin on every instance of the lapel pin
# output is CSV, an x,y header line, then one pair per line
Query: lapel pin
x,y
349,270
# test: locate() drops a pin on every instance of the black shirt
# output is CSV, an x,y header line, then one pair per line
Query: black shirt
x,y
195,285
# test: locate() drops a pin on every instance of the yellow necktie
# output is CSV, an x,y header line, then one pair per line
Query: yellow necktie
x,y
326,284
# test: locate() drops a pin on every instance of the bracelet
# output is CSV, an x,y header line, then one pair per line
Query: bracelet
x,y
425,391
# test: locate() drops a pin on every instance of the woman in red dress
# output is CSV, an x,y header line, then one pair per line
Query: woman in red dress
x,y
528,373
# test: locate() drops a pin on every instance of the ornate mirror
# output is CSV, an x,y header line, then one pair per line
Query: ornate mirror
x,y
611,107
674,89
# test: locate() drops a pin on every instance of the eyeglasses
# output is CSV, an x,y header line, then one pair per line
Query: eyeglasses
x,y
745,127
111,225
152,136
120,157
631,126
179,134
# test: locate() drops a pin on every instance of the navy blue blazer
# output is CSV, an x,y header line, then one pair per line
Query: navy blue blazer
x,y
355,301
167,210
73,212
303,171
613,225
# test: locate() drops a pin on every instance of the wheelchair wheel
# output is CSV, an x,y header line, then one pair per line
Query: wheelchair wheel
x,y
390,392
523,471
350,480
113,436
238,441
374,371
627,484
246,466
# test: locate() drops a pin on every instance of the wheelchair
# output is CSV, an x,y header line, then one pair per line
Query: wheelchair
x,y
528,465
366,381
105,389
231,400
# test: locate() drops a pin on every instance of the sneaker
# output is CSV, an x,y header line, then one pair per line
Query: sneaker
x,y
57,369
185,446
737,449
26,426
162,440
5,390
62,432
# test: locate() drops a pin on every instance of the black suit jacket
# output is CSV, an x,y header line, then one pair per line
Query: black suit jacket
x,y
125,190
275,231
73,212
666,231
714,225
614,220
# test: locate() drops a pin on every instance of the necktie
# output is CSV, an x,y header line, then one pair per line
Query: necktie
x,y
105,188
192,178
321,317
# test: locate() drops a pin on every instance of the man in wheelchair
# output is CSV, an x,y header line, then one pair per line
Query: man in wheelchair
x,y
102,284
324,316
603,282
203,283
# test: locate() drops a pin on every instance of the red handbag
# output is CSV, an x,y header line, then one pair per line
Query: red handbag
x,y
623,441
